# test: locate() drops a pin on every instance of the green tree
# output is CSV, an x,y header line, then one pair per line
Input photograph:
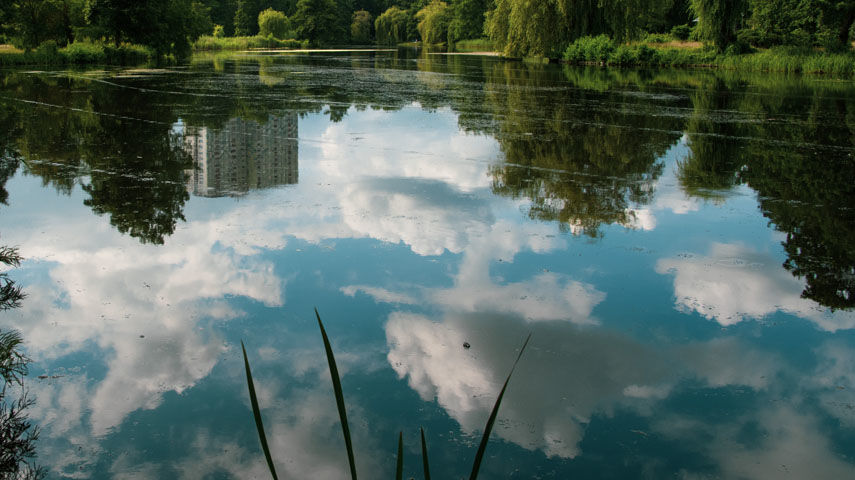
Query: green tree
x,y
781,21
467,19
433,22
390,27
360,27
244,16
836,20
272,22
167,26
718,20
318,21
521,28
31,22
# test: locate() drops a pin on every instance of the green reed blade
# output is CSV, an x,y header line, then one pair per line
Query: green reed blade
x,y
256,412
487,429
424,454
339,397
399,468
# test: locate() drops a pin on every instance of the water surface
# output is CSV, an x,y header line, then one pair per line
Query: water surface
x,y
678,243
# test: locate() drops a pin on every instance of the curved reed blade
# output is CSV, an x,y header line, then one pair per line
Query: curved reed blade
x,y
256,412
339,397
399,468
424,454
489,428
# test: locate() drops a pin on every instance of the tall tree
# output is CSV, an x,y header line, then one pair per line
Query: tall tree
x,y
272,22
318,21
467,19
165,25
718,20
836,19
360,27
245,16
391,26
433,22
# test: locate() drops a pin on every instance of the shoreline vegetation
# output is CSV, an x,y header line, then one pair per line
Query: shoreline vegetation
x,y
598,51
810,37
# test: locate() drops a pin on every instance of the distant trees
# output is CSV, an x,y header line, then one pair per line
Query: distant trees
x,y
467,19
318,21
515,27
272,22
433,21
391,26
360,27
718,20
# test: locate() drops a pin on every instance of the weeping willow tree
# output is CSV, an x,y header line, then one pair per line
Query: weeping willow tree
x,y
433,22
718,20
390,27
522,28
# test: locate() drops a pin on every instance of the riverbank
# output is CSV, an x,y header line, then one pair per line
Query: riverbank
x,y
207,43
603,51
78,53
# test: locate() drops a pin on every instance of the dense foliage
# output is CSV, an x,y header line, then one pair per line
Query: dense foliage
x,y
516,28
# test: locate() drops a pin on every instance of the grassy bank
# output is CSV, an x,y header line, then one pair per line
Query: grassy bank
x,y
603,51
209,43
78,53
474,45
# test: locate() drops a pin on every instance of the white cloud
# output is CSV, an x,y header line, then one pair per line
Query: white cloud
x,y
734,282
565,377
790,444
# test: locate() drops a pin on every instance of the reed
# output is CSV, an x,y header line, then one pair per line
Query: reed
x,y
339,397
210,43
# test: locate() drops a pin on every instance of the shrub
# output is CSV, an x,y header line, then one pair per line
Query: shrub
x,y
590,49
681,32
657,38
272,22
84,52
360,26
219,32
622,55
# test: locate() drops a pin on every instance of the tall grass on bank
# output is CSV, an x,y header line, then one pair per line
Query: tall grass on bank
x,y
339,397
84,52
210,43
602,50
473,45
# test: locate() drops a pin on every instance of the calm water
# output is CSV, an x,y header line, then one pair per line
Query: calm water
x,y
680,245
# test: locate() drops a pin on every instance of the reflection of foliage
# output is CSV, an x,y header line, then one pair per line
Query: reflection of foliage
x,y
807,191
10,294
144,198
580,161
136,166
8,167
715,149
17,434
798,159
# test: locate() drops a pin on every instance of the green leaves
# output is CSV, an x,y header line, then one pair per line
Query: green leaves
x,y
256,412
490,421
339,397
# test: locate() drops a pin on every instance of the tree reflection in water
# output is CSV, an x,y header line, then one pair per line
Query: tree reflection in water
x,y
17,434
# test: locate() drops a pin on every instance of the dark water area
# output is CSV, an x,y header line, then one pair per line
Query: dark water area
x,y
679,243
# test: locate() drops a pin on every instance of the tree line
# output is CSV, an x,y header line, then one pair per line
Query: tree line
x,y
517,28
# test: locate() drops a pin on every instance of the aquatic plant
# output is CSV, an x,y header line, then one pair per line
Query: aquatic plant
x,y
339,398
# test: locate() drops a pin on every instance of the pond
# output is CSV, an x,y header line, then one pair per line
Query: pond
x,y
680,244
